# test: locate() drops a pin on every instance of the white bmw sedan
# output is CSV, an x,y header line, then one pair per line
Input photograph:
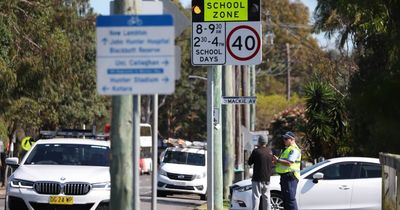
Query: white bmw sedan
x,y
61,174
352,183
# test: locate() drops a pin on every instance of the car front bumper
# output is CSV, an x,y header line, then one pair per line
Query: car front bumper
x,y
22,198
241,200
195,186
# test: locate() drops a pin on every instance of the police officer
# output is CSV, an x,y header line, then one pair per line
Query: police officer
x,y
288,167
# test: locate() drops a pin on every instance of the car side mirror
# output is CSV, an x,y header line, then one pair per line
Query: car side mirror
x,y
317,176
13,162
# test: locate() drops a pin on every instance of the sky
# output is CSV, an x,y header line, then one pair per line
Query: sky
x,y
103,7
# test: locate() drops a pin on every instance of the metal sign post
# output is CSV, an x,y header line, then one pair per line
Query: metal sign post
x,y
224,32
210,134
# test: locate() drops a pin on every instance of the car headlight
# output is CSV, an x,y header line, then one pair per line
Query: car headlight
x,y
20,183
102,185
199,176
244,188
162,172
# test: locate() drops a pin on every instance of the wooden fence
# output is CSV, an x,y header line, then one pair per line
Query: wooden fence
x,y
390,182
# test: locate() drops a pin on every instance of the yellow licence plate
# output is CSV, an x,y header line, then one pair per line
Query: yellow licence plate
x,y
64,200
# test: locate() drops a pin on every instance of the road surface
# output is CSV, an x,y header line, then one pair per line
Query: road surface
x,y
174,202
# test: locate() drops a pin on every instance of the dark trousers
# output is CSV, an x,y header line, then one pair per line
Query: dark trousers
x,y
288,188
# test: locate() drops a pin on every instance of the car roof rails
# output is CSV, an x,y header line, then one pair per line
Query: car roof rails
x,y
185,143
68,133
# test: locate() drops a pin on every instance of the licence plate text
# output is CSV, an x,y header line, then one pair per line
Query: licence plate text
x,y
64,200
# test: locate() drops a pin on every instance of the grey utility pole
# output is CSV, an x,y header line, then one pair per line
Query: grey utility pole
x,y
239,161
124,130
246,115
121,153
121,144
252,93
228,146
288,66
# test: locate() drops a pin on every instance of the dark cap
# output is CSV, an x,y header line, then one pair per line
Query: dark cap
x,y
262,139
289,135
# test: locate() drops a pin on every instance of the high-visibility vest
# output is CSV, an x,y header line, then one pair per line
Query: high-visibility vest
x,y
295,167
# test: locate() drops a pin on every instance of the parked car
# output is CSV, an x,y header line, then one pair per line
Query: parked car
x,y
183,170
338,183
59,174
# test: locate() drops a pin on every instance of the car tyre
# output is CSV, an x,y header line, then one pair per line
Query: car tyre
x,y
276,201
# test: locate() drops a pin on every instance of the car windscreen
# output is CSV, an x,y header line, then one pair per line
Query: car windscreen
x,y
69,154
309,168
186,158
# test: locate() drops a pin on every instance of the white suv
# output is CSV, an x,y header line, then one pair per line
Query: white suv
x,y
183,170
61,173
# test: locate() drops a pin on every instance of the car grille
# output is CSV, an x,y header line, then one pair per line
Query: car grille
x,y
52,188
55,188
76,188
184,177
170,186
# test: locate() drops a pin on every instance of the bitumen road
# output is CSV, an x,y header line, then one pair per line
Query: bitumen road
x,y
175,202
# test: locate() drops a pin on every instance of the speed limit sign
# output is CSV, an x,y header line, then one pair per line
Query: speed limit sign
x,y
243,43
226,32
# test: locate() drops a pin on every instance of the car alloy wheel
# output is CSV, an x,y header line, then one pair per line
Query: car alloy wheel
x,y
276,201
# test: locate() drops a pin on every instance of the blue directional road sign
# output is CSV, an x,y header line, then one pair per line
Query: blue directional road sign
x,y
135,54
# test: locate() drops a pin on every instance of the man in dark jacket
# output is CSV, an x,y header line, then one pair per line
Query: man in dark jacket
x,y
261,157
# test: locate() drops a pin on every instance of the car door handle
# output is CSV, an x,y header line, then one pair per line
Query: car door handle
x,y
344,187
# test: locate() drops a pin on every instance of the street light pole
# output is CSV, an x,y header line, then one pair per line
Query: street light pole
x,y
217,141
214,138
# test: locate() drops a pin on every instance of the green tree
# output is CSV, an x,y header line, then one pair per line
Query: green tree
x,y
288,21
269,107
326,130
47,66
374,28
184,113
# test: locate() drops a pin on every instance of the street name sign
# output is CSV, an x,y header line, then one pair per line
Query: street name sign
x,y
135,54
238,100
226,32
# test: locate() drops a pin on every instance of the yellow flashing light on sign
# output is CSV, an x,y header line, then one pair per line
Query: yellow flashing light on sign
x,y
197,10
225,10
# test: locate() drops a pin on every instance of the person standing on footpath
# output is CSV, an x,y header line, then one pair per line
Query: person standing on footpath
x,y
262,158
288,167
